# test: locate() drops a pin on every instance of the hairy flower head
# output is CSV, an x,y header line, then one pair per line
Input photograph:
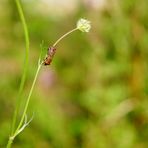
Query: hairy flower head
x,y
83,25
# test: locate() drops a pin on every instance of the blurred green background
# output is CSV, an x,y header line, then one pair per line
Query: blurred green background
x,y
95,93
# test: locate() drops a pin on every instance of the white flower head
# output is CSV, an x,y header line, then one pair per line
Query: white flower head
x,y
83,25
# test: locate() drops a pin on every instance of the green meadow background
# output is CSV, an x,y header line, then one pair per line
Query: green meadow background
x,y
95,92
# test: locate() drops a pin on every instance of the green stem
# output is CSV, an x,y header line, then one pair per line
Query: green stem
x,y
32,87
25,109
63,36
28,98
9,143
14,133
25,65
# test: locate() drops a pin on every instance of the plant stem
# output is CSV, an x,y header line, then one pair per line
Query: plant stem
x,y
25,65
63,36
20,126
25,109
29,96
9,143
35,78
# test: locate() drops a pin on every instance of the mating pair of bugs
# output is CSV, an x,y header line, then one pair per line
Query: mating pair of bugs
x,y
50,54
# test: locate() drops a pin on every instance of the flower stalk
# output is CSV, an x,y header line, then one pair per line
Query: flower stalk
x,y
82,25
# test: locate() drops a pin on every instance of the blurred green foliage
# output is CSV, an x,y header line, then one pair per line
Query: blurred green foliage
x,y
95,93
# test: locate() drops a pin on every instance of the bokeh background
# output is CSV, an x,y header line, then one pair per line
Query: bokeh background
x,y
95,93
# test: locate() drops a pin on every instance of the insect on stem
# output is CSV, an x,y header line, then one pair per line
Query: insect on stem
x,y
50,54
51,50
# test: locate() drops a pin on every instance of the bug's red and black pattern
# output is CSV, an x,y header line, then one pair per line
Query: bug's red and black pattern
x,y
49,56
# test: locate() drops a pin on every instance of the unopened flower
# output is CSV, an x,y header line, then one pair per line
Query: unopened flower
x,y
83,25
